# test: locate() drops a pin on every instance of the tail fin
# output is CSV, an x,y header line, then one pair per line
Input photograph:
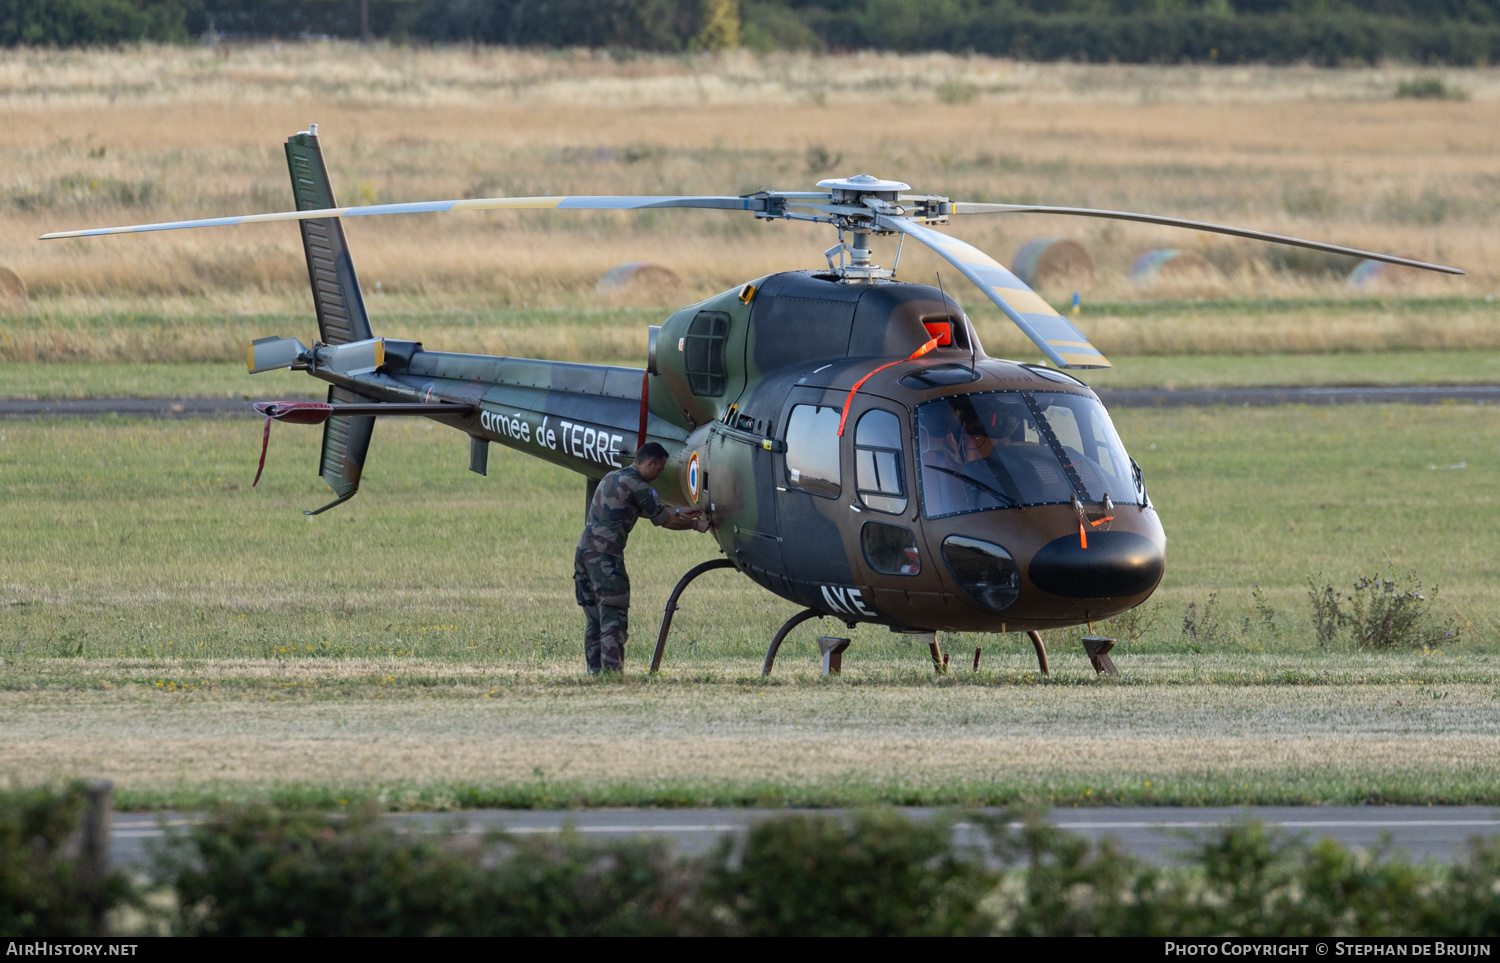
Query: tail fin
x,y
346,440
341,311
335,287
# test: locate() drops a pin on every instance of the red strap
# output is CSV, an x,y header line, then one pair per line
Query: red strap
x,y
860,383
640,436
265,442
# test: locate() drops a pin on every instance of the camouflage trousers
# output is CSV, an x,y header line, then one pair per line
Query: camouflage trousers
x,y
603,591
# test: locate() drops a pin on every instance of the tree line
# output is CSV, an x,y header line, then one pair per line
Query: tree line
x,y
1325,32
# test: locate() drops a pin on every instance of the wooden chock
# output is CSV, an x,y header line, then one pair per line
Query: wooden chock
x,y
939,664
833,651
1098,649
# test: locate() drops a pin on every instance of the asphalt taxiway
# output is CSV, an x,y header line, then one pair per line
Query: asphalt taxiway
x,y
1422,832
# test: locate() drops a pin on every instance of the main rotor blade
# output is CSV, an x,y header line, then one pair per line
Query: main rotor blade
x,y
574,203
1062,343
969,207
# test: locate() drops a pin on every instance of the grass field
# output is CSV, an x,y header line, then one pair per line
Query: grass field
x,y
161,133
167,625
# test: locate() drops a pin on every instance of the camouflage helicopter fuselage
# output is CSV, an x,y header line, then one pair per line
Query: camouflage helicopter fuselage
x,y
728,379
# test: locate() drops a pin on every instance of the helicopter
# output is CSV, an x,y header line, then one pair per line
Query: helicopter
x,y
854,448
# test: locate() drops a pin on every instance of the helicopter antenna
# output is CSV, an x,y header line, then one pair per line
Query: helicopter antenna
x,y
973,371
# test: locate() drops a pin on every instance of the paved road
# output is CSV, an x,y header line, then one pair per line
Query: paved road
x,y
1112,397
1155,833
1270,396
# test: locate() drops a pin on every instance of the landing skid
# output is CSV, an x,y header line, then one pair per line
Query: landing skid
x,y
666,617
1097,647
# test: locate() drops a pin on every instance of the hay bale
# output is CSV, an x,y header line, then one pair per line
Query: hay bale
x,y
1170,264
640,283
1374,275
12,290
1053,262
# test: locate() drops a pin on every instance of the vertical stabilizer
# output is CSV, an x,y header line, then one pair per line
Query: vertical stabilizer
x,y
335,287
346,441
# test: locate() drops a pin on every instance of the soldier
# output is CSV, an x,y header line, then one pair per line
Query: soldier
x,y
599,578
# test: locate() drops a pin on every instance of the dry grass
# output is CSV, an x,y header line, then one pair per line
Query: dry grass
x,y
1171,742
157,133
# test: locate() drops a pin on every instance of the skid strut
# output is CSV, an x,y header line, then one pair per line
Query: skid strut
x,y
666,618
783,632
1041,652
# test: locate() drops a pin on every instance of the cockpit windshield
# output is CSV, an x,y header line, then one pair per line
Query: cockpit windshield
x,y
1004,449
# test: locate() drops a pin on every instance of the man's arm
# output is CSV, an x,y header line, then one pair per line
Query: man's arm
x,y
665,516
682,519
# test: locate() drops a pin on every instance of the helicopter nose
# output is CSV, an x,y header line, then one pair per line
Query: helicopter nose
x,y
1115,564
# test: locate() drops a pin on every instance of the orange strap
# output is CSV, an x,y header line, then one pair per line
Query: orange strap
x,y
1083,538
860,383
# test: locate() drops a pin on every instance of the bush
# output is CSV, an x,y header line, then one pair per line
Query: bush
x,y
66,23
1379,612
267,872
262,871
47,890
877,874
1244,881
1429,88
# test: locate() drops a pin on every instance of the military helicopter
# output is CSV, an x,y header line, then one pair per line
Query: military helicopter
x,y
855,449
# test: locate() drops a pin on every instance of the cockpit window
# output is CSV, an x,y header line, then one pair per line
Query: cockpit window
x,y
1006,449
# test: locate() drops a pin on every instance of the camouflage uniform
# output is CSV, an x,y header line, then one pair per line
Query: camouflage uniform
x,y
599,578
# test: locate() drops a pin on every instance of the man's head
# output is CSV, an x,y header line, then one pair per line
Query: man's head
x,y
650,460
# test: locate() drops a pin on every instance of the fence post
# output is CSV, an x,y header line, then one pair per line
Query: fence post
x,y
95,849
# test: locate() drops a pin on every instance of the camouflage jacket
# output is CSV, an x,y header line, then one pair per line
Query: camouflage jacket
x,y
622,497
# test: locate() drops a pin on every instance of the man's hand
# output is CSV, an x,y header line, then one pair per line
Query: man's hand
x,y
683,519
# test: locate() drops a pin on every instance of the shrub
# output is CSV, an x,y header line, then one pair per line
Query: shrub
x,y
1429,88
66,23
1070,887
1134,625
46,887
1202,627
1380,612
267,872
263,871
877,874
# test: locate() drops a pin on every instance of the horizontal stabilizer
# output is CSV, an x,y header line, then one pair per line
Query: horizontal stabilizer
x,y
268,354
355,358
317,412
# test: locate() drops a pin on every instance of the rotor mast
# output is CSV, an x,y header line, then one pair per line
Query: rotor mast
x,y
855,204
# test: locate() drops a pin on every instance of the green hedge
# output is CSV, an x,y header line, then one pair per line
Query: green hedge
x,y
1324,39
262,871
66,23
46,889
1326,32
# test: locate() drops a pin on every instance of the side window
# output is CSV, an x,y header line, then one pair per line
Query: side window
x,y
877,462
890,549
703,353
812,450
